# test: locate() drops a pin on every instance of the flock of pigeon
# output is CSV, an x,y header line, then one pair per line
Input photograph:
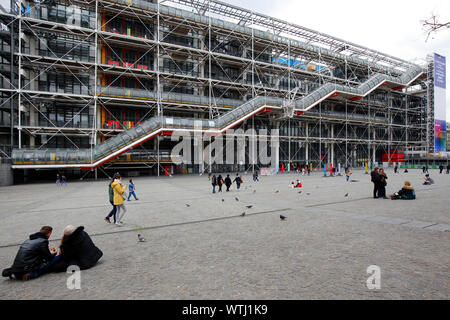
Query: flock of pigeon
x,y
282,218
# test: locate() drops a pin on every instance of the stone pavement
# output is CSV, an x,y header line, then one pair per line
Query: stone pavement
x,y
208,251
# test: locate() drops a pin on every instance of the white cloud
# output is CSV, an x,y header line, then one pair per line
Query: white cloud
x,y
390,26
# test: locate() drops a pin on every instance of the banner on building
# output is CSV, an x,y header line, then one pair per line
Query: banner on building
x,y
440,115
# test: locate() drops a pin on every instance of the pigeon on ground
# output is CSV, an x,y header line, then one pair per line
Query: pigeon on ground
x,y
223,200
308,194
249,207
346,195
282,217
236,199
299,192
243,214
140,238
277,191
254,191
188,205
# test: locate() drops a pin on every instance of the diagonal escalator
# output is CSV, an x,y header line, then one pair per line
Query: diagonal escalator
x,y
123,142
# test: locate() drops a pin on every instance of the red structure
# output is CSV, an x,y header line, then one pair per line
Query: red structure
x,y
393,156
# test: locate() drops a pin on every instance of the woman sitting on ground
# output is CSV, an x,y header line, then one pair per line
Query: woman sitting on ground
x,y
77,249
407,193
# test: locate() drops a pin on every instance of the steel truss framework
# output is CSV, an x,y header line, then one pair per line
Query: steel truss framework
x,y
222,65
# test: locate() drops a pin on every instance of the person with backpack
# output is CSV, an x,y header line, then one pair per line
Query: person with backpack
x,y
238,181
112,213
119,198
348,173
131,189
220,182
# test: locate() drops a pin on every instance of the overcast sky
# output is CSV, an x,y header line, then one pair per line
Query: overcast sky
x,y
390,26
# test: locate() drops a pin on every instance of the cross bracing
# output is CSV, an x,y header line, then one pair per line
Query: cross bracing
x,y
107,65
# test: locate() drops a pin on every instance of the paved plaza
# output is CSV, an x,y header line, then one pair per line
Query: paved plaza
x,y
208,251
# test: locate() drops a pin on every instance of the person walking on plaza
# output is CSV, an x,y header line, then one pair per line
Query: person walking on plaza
x,y
375,178
214,183
238,181
423,169
348,174
119,198
448,168
220,182
228,182
112,213
34,257
58,179
441,168
255,176
131,189
63,181
382,184
396,169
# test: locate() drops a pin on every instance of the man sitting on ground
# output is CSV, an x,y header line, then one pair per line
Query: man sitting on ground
x,y
34,257
428,180
406,193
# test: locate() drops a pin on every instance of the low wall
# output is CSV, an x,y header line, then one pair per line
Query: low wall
x,y
6,175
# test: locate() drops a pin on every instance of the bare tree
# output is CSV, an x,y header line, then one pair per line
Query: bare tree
x,y
432,25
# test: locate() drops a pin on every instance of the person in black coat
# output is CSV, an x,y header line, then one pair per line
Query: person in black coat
x,y
220,183
34,258
77,249
376,179
228,182
214,183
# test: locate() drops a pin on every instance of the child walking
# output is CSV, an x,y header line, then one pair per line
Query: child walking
x,y
131,189
348,174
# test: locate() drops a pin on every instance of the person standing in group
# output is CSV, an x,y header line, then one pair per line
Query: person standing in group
x,y
441,168
58,179
214,183
119,189
63,181
131,189
348,174
308,168
375,178
238,181
228,182
112,213
220,182
382,184
448,168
